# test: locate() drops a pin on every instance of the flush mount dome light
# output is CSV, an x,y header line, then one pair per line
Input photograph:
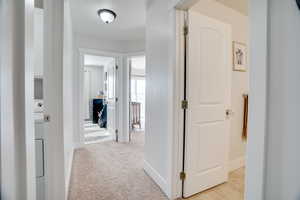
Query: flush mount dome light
x,y
107,16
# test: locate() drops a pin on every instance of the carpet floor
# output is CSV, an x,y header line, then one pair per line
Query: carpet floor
x,y
112,171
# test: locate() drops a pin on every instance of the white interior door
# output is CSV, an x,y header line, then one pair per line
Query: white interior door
x,y
111,99
208,95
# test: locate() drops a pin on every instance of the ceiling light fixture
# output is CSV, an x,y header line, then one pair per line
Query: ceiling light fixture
x,y
107,16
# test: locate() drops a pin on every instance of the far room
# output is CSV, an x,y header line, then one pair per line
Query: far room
x,y
99,90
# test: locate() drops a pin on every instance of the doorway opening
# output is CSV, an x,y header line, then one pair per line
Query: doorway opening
x,y
99,93
137,94
215,103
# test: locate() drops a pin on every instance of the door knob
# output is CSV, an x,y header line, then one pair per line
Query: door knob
x,y
229,112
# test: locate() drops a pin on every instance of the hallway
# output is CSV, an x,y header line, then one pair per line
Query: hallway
x,y
112,171
109,170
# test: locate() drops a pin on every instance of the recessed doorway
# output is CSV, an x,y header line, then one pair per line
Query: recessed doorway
x,y
99,97
137,96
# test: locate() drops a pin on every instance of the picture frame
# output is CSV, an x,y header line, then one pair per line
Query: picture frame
x,y
240,57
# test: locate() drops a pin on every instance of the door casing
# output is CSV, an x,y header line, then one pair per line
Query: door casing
x,y
127,92
119,116
255,163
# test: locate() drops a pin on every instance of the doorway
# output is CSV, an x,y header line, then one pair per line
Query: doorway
x,y
99,97
137,94
215,112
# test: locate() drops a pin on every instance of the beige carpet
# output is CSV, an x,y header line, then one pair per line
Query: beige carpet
x,y
111,171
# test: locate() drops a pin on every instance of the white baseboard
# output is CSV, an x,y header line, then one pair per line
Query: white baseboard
x,y
236,163
78,145
157,178
68,173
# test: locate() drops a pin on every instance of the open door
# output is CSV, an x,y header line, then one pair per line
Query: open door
x,y
112,99
208,94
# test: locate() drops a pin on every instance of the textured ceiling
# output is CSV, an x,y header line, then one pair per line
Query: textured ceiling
x,y
239,5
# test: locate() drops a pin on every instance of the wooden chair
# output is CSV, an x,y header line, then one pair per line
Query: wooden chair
x,y
135,108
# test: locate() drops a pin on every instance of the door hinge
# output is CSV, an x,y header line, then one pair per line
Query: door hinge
x,y
117,67
182,176
184,104
47,118
117,135
185,30
117,99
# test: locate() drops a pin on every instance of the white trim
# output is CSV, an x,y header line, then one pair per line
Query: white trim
x,y
159,180
119,90
97,52
77,145
16,94
69,173
8,175
256,144
236,164
29,93
178,97
135,54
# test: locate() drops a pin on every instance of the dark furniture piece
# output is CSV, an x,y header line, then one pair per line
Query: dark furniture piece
x,y
103,117
98,105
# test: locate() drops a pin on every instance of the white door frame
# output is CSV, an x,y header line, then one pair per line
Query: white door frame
x,y
255,167
127,92
119,106
17,145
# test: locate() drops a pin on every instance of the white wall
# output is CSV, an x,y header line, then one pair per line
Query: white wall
x,y
16,71
138,65
68,94
255,167
283,108
159,27
240,80
160,43
96,79
109,45
95,83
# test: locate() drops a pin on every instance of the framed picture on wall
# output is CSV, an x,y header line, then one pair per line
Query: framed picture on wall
x,y
239,57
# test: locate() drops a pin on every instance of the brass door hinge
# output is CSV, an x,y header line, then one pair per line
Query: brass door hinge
x,y
184,104
186,30
47,118
117,135
182,176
